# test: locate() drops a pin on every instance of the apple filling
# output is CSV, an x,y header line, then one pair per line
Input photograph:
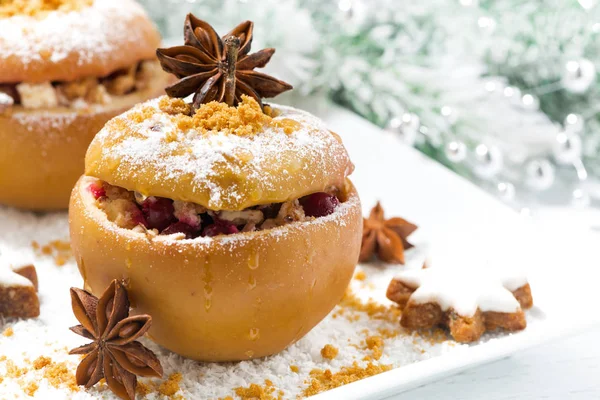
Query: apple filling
x,y
163,216
81,93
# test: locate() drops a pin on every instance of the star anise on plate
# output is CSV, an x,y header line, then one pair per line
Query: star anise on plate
x,y
114,353
386,238
218,69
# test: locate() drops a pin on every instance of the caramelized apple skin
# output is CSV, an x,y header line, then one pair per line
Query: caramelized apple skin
x,y
226,298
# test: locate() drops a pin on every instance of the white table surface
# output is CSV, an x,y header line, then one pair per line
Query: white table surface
x,y
565,369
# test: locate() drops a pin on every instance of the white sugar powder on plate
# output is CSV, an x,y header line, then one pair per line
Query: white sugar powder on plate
x,y
49,335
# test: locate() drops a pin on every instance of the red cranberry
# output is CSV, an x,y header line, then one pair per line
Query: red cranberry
x,y
181,227
220,227
319,204
97,190
158,212
137,216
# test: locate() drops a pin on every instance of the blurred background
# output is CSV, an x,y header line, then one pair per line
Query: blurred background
x,y
504,92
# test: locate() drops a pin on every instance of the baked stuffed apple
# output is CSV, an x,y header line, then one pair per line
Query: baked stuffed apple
x,y
231,222
67,67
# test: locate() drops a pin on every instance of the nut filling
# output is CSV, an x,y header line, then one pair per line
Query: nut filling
x,y
81,93
162,216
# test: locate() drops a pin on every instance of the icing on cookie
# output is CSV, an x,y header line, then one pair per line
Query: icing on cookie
x,y
464,290
8,278
10,261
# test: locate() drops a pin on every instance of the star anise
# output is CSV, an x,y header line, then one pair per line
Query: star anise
x,y
114,354
387,238
219,69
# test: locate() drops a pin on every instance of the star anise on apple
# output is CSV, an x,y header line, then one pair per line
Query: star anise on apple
x,y
385,238
218,69
114,353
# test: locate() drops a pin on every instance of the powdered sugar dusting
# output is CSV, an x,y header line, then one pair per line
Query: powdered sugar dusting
x,y
258,166
5,100
92,32
48,335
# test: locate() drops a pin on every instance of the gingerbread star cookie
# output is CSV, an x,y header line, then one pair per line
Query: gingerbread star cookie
x,y
467,303
18,290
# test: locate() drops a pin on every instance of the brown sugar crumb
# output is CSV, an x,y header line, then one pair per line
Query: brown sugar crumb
x,y
322,381
171,385
288,125
13,371
244,120
137,115
432,336
8,332
270,111
60,250
247,119
375,344
174,106
143,390
258,392
294,368
329,352
41,362
388,333
372,308
58,374
10,8
31,388
360,276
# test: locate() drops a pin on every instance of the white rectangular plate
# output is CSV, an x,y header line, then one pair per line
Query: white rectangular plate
x,y
560,263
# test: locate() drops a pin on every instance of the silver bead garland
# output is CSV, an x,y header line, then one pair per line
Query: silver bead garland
x,y
578,75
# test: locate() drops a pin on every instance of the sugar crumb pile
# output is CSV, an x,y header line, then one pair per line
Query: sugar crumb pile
x,y
56,374
34,8
59,250
171,386
258,392
325,380
247,119
329,352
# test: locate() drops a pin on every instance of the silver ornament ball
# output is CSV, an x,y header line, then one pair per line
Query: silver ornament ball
x,y
539,174
530,102
580,198
567,148
406,127
578,75
506,191
455,151
513,94
574,123
486,24
488,161
494,86
449,114
345,6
